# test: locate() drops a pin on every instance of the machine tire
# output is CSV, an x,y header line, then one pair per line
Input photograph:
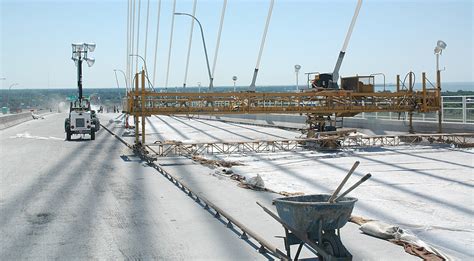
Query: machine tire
x,y
68,135
92,135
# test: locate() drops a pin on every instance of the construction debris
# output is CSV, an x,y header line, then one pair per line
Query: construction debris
x,y
255,182
411,243
216,163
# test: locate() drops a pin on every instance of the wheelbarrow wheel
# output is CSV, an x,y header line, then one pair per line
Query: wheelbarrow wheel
x,y
332,245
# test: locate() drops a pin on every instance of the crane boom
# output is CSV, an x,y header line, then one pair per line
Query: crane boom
x,y
329,80
335,73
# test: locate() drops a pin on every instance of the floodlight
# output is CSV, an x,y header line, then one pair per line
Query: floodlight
x,y
297,67
90,46
78,46
90,61
234,78
441,44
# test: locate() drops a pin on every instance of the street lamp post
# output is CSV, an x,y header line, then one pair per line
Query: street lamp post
x,y
297,72
234,78
8,94
144,62
125,77
79,54
440,46
211,85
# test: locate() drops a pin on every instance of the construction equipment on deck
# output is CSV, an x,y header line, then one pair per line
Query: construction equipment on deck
x,y
81,119
312,221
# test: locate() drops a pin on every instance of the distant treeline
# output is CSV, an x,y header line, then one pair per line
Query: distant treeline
x,y
50,98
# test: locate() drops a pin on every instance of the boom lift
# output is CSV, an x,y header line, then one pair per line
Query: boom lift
x,y
81,119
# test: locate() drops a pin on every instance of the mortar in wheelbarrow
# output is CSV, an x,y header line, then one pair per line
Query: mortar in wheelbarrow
x,y
312,214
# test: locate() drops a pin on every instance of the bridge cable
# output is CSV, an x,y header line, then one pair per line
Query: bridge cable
x,y
146,27
132,36
128,43
189,45
171,44
156,40
262,44
138,34
219,37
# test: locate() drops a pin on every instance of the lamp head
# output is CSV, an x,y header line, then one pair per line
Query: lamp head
x,y
77,47
441,44
89,46
90,61
297,67
234,78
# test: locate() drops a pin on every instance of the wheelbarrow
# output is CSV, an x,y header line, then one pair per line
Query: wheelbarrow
x,y
313,220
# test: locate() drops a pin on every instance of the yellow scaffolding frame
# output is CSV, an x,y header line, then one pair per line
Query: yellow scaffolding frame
x,y
342,103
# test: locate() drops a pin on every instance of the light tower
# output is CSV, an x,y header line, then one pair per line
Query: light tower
x,y
297,72
440,46
234,78
79,54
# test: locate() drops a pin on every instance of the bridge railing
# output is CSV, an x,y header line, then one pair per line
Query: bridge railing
x,y
456,109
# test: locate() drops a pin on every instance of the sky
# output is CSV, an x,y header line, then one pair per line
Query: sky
x,y
390,36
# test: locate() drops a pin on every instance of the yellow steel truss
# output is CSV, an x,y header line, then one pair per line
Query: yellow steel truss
x,y
141,102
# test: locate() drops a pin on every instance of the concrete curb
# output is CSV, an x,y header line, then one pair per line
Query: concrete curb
x,y
8,121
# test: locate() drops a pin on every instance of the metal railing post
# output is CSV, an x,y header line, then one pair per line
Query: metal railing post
x,y
135,115
410,113
464,109
440,115
143,107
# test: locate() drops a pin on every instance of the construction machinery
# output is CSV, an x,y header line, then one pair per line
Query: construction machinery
x,y
81,119
329,80
323,102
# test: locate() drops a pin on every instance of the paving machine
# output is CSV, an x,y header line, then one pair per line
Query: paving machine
x,y
81,119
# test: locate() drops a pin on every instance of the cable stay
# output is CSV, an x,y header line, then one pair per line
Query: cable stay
x,y
156,40
262,44
211,85
138,35
127,61
189,45
171,44
132,37
146,28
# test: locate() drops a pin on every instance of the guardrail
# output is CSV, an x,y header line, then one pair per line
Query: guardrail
x,y
456,109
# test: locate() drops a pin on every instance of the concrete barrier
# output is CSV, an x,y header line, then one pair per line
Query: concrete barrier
x,y
10,120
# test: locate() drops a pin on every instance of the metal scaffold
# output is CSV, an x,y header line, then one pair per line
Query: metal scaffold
x,y
317,104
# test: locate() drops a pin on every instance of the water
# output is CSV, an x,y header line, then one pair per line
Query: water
x,y
49,98
446,87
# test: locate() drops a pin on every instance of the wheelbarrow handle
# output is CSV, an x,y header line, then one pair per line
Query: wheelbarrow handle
x,y
362,180
332,199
